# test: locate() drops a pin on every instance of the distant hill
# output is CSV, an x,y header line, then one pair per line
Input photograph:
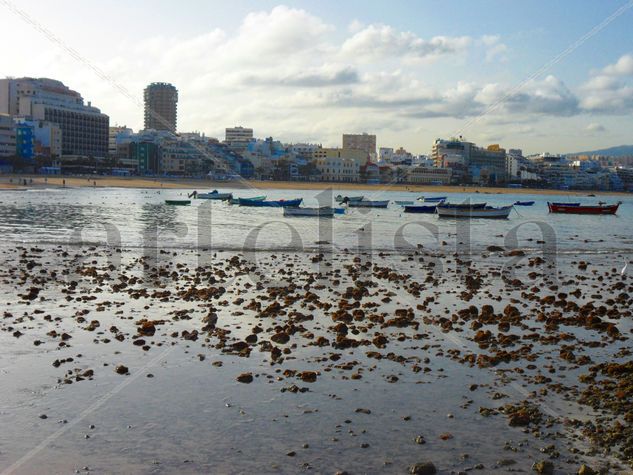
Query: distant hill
x,y
619,151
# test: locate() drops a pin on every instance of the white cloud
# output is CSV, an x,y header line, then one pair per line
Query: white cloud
x,y
595,127
623,67
495,49
610,90
383,42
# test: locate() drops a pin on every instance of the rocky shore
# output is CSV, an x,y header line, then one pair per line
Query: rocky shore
x,y
351,363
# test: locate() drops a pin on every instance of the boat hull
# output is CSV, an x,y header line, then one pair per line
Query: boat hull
x,y
236,201
434,199
270,204
325,212
577,209
403,203
368,204
178,202
524,203
464,205
420,209
488,212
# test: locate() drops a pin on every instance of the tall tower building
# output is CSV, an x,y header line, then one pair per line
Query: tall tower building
x,y
161,106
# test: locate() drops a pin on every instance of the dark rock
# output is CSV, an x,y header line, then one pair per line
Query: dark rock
x,y
424,468
245,378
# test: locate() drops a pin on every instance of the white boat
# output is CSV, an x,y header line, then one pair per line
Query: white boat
x,y
214,195
324,212
490,212
341,199
368,204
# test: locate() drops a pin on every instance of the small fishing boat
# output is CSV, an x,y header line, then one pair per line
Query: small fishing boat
x,y
564,204
368,204
178,202
271,204
420,209
490,212
600,208
432,199
464,205
339,210
341,199
213,195
323,212
403,203
523,203
236,201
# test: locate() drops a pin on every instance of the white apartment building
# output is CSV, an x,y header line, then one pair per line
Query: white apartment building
x,y
238,137
117,134
338,169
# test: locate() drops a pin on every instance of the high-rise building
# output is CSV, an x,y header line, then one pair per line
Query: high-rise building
x,y
365,142
7,137
84,128
161,106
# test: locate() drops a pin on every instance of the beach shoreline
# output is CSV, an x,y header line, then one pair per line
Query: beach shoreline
x,y
15,182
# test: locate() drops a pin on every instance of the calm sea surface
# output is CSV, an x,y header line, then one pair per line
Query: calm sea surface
x,y
139,218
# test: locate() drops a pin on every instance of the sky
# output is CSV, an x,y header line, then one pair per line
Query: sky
x,y
544,76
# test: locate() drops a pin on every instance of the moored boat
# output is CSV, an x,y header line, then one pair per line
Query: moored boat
x,y
403,203
271,204
464,205
236,201
178,202
323,212
368,204
341,199
565,204
600,208
420,209
523,203
490,212
213,195
432,199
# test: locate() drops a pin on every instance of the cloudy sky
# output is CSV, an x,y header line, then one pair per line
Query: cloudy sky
x,y
549,75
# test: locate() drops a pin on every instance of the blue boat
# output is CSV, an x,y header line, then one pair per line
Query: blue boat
x,y
523,203
339,210
270,204
403,203
420,209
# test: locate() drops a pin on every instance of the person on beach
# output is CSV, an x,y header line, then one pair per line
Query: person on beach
x,y
64,183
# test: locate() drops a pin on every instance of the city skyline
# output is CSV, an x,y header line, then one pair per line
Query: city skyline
x,y
308,73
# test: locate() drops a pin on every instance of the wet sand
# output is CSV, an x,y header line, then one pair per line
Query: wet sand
x,y
190,184
123,361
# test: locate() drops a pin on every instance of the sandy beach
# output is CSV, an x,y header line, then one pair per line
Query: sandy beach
x,y
15,182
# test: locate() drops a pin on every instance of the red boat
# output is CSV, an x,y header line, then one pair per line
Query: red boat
x,y
600,208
